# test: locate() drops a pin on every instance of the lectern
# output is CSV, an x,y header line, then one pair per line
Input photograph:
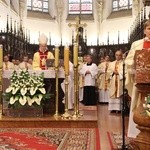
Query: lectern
x,y
142,78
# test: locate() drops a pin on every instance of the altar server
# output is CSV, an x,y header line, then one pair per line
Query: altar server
x,y
89,72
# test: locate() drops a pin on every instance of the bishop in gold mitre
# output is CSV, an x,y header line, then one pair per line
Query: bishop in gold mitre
x,y
40,57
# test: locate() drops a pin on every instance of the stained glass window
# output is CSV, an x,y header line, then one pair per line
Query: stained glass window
x,y
80,6
121,4
37,5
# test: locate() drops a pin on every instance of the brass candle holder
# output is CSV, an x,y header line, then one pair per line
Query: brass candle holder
x,y
1,79
66,115
56,91
76,114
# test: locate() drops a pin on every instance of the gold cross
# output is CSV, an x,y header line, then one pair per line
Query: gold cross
x,y
77,25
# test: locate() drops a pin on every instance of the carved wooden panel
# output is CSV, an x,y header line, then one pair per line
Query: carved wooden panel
x,y
142,64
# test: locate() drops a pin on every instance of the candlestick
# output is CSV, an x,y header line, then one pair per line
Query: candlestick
x,y
1,80
75,54
1,56
66,60
56,56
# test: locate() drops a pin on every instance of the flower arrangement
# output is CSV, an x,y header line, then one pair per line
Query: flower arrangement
x,y
146,105
25,89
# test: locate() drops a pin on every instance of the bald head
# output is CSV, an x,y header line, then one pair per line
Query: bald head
x,y
118,55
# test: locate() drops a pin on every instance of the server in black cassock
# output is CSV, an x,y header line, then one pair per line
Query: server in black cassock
x,y
89,72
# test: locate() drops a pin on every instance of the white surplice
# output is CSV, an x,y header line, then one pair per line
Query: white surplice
x,y
89,96
115,92
25,66
89,79
130,85
8,66
103,81
70,87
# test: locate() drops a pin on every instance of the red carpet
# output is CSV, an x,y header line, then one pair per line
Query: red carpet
x,y
49,139
115,141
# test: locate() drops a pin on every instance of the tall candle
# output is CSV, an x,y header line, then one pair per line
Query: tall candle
x,y
66,60
56,56
75,55
1,56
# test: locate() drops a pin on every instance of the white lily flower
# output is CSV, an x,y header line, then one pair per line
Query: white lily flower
x,y
23,91
30,101
40,96
9,89
42,90
23,100
12,100
14,90
144,105
33,91
37,100
148,105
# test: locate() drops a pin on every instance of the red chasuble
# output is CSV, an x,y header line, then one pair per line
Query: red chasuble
x,y
43,58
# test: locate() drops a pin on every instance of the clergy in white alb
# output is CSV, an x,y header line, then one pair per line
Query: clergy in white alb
x,y
24,65
116,82
89,72
130,82
70,87
7,65
103,79
81,79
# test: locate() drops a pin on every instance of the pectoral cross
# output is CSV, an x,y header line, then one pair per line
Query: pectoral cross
x,y
77,25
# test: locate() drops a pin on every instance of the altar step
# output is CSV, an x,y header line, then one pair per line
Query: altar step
x,y
88,120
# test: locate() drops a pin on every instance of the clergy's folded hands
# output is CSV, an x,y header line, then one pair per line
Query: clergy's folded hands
x,y
87,72
115,72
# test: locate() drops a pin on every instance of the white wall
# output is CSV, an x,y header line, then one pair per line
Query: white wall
x,y
113,26
51,26
5,10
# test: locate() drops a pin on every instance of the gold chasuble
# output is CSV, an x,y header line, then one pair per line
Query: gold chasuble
x,y
39,60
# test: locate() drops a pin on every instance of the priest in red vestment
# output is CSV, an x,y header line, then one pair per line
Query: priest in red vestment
x,y
40,57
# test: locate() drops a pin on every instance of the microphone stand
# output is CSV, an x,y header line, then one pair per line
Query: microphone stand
x,y
124,147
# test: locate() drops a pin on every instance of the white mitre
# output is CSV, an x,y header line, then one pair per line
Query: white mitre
x,y
43,39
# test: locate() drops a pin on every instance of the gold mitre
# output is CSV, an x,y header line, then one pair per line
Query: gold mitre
x,y
43,39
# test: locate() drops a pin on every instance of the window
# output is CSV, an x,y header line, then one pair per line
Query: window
x,y
37,5
121,5
80,6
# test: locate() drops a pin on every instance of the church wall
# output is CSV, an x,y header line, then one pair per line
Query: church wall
x,y
115,27
56,28
5,10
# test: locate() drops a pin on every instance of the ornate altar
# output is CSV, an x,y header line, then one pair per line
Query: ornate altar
x,y
142,78
49,81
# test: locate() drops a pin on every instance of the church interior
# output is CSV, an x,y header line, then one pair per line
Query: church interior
x,y
75,74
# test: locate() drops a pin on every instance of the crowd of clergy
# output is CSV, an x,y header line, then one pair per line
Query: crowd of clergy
x,y
105,78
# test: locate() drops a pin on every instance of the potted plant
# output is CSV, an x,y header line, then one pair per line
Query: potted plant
x,y
26,91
